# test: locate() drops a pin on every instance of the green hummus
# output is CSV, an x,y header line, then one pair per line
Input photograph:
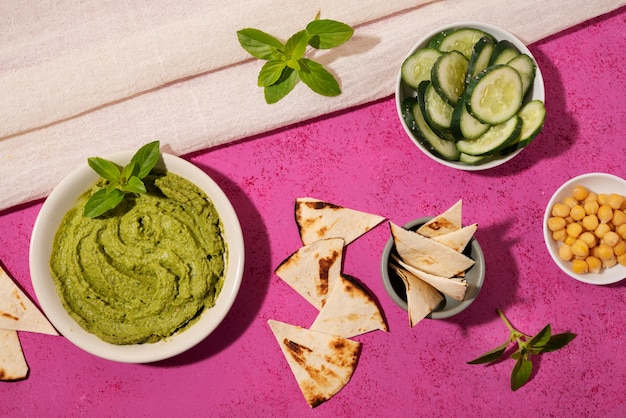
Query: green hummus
x,y
144,270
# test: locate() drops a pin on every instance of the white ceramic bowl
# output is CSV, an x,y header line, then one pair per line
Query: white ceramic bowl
x,y
403,91
599,183
63,198
475,277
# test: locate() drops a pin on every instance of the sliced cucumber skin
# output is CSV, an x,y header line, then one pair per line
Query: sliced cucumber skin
x,y
438,112
481,55
526,68
436,145
448,76
479,86
417,67
497,138
533,115
503,52
462,40
463,125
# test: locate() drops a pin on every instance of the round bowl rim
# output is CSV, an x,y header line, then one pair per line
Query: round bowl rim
x,y
445,313
609,276
538,91
54,208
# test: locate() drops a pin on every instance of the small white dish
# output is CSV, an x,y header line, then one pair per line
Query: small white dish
x,y
63,198
598,183
475,278
537,91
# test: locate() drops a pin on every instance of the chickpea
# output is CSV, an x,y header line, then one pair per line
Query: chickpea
x,y
555,223
591,208
605,213
560,210
580,192
615,200
619,217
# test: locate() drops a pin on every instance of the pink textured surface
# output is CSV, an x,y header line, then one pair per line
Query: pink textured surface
x,y
362,159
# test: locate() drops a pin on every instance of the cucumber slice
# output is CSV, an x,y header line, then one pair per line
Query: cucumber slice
x,y
474,159
504,52
435,41
496,138
462,40
438,111
436,145
463,125
526,68
407,112
448,75
533,116
417,67
495,95
481,55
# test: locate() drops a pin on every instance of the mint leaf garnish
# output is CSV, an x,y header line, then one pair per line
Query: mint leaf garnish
x,y
527,346
287,64
120,182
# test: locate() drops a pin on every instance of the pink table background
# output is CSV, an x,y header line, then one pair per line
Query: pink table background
x,y
362,159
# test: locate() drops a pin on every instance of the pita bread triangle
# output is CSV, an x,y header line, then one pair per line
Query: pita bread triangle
x,y
453,287
457,240
448,221
317,220
313,268
321,363
18,312
349,311
428,255
12,362
421,298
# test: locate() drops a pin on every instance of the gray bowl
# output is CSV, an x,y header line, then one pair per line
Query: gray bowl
x,y
474,276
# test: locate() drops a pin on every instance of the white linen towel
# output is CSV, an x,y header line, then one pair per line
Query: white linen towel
x,y
80,79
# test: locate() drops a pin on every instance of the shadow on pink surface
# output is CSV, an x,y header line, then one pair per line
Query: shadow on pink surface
x,y
252,292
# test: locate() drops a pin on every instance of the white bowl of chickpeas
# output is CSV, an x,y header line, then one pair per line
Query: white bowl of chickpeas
x,y
585,228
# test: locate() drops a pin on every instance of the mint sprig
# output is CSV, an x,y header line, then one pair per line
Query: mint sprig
x,y
527,346
286,63
120,181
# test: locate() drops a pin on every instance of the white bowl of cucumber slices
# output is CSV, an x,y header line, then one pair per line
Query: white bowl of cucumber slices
x,y
470,96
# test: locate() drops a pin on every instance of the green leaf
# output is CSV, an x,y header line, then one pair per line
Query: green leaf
x,y
296,45
146,158
491,356
270,73
521,372
558,341
112,186
259,44
131,169
105,168
101,202
326,34
287,81
318,79
134,185
536,344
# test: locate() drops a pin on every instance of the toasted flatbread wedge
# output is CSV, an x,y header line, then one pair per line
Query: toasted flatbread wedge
x,y
453,287
349,311
448,221
12,362
428,255
421,298
321,363
18,312
457,240
312,269
318,220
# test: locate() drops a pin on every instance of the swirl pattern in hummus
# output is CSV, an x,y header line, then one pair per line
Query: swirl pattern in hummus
x,y
145,270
